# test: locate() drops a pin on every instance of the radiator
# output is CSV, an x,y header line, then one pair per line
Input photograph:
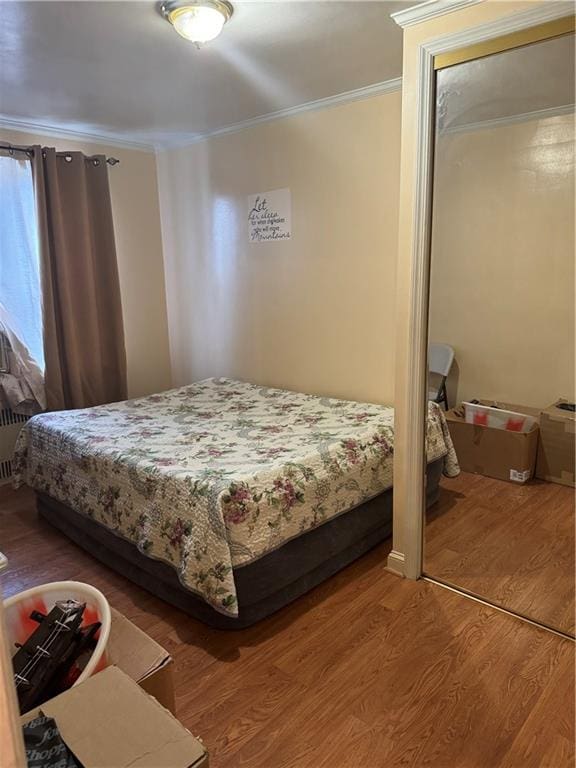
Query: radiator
x,y
10,426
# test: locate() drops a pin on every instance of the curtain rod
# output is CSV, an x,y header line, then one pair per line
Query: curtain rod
x,y
29,151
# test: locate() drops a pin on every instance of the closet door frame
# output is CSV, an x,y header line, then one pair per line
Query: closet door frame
x,y
542,22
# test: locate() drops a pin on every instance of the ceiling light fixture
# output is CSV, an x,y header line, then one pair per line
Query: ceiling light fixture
x,y
197,21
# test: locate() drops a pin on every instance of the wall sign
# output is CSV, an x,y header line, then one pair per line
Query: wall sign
x,y
270,216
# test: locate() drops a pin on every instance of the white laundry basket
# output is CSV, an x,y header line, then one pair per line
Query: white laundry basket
x,y
19,625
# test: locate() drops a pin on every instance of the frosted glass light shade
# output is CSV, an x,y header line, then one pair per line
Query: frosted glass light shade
x,y
200,21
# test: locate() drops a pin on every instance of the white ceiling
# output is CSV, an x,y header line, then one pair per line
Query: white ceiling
x,y
118,69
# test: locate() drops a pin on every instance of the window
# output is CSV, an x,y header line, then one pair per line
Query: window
x,y
20,292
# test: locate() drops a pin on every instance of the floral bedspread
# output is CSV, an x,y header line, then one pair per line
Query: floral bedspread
x,y
216,474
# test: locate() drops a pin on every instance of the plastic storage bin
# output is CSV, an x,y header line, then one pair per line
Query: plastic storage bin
x,y
497,418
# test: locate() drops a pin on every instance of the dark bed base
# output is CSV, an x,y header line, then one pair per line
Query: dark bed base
x,y
263,586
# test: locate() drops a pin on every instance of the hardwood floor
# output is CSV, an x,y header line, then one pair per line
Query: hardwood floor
x,y
512,545
366,671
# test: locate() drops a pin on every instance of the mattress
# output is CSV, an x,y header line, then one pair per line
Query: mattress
x,y
263,586
216,475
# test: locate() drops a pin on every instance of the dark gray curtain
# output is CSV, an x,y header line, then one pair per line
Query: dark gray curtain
x,y
82,312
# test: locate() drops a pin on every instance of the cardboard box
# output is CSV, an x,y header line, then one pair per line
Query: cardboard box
x,y
492,452
110,722
142,659
556,453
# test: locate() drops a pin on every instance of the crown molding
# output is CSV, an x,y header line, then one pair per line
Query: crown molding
x,y
183,140
431,9
369,91
59,132
499,122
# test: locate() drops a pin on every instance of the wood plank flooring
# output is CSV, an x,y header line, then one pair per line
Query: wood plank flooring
x,y
512,545
366,671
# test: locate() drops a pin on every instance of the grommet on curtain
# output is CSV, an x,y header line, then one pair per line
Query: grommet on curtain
x,y
12,151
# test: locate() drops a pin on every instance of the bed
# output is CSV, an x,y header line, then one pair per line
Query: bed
x,y
224,498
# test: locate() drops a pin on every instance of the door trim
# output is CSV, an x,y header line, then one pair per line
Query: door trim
x,y
406,557
546,31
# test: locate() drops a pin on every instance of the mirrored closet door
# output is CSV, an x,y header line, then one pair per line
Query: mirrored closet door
x,y
501,328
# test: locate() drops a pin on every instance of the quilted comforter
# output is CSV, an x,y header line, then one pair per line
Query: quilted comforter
x,y
216,474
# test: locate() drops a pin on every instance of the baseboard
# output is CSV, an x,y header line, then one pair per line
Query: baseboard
x,y
396,563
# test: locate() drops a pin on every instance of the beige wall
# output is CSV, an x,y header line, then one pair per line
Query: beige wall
x,y
502,276
315,313
134,192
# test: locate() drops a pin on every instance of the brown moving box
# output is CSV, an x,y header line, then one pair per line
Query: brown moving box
x,y
142,659
556,453
494,452
110,722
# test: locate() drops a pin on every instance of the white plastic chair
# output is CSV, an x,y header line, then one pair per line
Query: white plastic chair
x,y
440,359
